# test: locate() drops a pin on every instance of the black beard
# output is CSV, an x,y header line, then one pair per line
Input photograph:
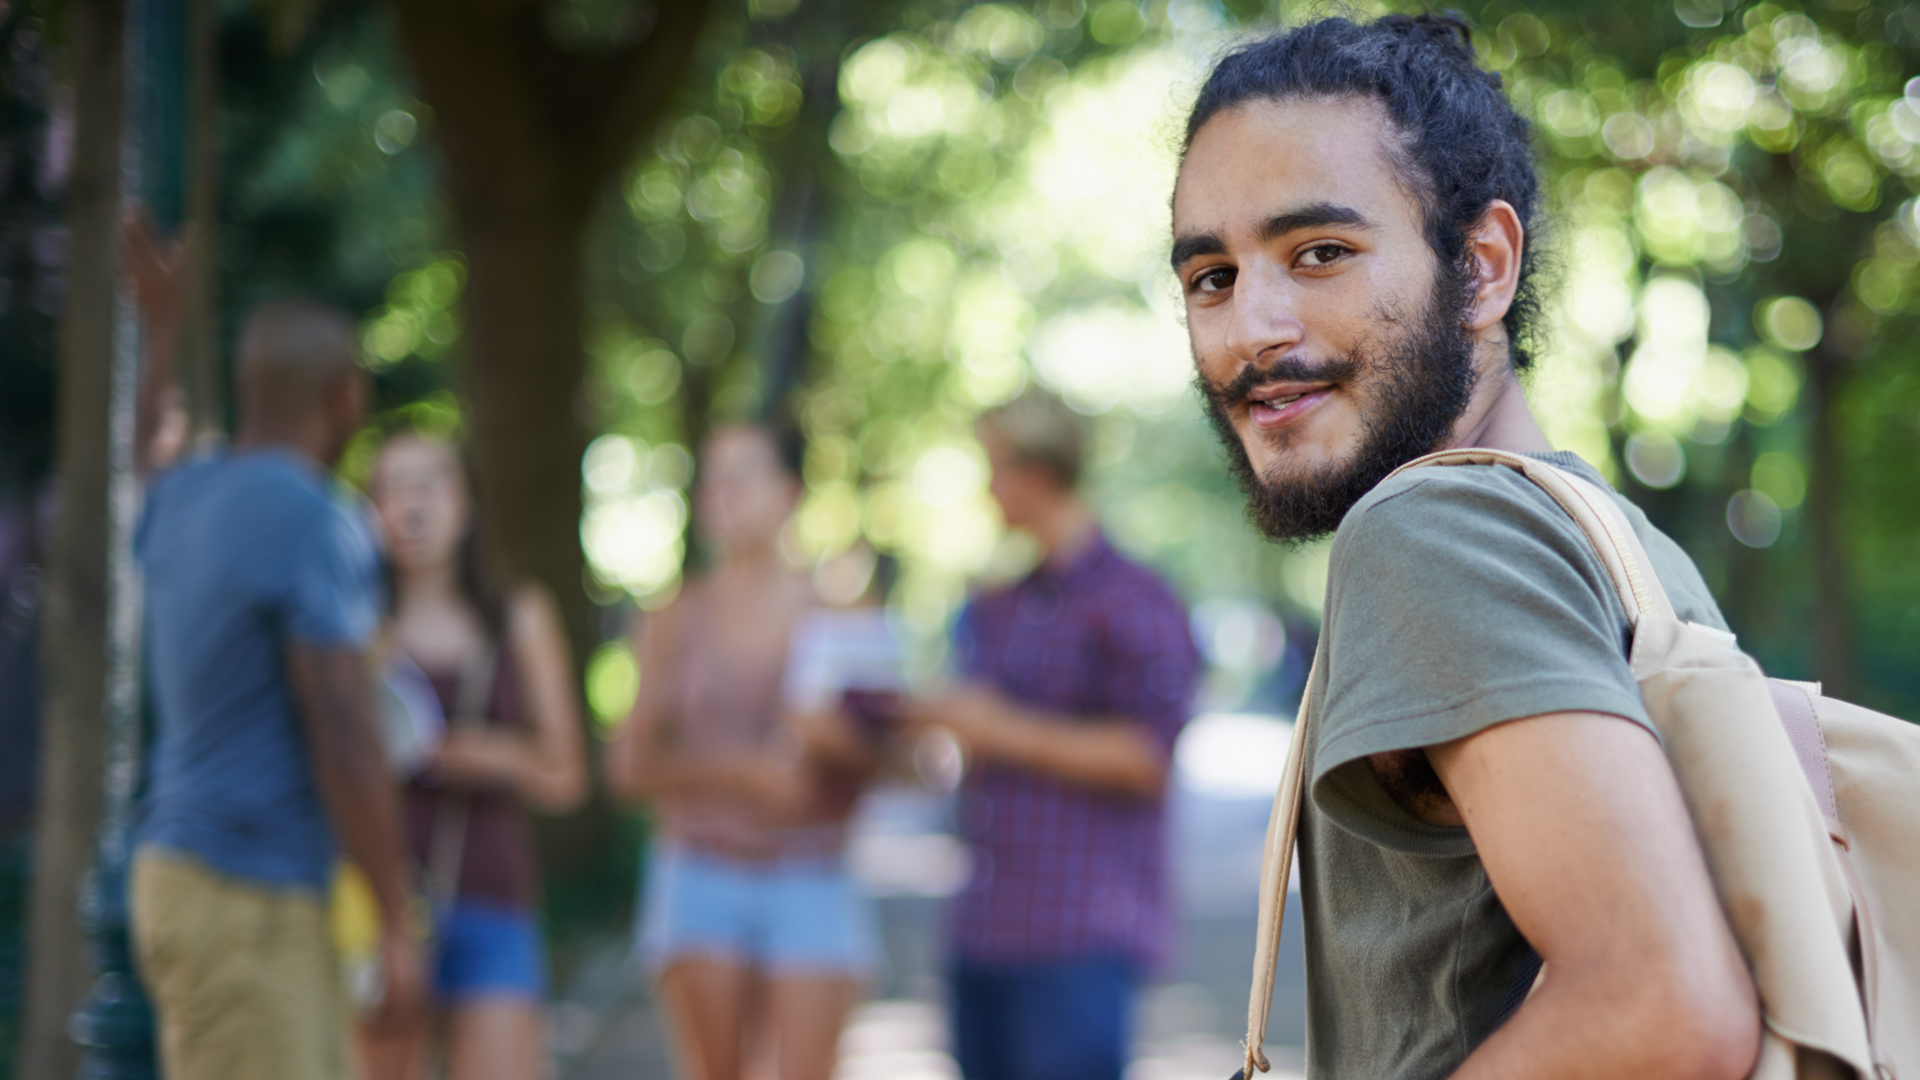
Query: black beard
x,y
1417,387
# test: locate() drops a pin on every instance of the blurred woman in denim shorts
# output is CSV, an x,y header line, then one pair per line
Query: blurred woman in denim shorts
x,y
495,665
751,921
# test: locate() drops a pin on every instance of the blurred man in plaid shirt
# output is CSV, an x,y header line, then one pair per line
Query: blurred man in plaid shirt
x,y
1077,679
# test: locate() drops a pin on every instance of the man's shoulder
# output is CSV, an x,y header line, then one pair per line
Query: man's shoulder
x,y
174,489
1458,549
286,500
1455,507
260,484
251,513
1118,568
1126,590
1425,520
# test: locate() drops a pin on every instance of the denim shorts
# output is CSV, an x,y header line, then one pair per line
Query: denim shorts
x,y
488,950
799,916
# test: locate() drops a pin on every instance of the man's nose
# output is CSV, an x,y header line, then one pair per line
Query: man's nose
x,y
1264,321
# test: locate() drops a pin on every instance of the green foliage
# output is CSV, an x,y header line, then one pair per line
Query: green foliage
x,y
953,235
1728,222
880,218
327,186
1737,240
613,684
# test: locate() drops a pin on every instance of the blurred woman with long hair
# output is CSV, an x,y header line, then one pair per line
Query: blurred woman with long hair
x,y
751,920
496,665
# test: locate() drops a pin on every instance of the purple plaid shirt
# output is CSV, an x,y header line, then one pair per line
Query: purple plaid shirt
x,y
1062,872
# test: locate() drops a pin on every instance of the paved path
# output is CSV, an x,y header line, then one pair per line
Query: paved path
x,y
1188,1026
897,1039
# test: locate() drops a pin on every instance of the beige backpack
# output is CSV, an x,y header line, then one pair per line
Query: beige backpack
x,y
1808,810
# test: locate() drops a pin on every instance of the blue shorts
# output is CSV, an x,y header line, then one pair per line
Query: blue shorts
x,y
487,950
788,917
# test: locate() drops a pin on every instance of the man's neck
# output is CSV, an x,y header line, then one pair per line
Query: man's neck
x,y
308,440
1064,531
1500,418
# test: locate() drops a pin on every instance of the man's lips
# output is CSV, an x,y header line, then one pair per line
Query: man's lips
x,y
1278,404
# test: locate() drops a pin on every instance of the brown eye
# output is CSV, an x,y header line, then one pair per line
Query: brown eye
x,y
1322,254
1215,280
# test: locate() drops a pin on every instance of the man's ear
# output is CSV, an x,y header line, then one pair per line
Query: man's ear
x,y
359,394
345,401
1499,243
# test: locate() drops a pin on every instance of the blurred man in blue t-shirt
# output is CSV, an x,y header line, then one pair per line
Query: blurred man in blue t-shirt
x,y
261,595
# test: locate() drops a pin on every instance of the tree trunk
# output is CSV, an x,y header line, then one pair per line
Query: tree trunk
x,y
523,380
530,134
80,574
523,383
200,368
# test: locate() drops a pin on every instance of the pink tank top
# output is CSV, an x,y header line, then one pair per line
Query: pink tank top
x,y
730,705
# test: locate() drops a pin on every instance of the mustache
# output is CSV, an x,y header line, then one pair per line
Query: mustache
x,y
1285,369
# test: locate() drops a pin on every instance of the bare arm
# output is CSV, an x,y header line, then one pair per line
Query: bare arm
x,y
1586,838
555,777
331,688
334,699
546,767
156,270
1117,747
1108,754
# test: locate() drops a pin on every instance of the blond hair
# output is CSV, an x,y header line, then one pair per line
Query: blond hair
x,y
1042,431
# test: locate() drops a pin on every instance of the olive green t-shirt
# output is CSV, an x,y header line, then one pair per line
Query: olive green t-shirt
x,y
1460,597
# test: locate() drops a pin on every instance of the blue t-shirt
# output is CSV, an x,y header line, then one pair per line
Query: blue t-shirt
x,y
243,553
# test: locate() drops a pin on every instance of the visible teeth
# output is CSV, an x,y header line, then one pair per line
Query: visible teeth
x,y
1288,400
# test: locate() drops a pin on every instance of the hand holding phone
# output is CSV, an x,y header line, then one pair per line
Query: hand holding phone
x,y
873,712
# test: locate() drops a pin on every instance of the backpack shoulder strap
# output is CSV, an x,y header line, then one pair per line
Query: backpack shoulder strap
x,y
1276,867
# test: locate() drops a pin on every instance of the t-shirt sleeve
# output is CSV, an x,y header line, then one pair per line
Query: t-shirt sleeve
x,y
1151,663
331,595
150,502
1462,599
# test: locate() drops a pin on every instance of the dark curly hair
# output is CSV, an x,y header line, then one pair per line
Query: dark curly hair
x,y
1462,144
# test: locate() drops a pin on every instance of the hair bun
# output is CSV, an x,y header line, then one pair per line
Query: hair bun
x,y
1448,29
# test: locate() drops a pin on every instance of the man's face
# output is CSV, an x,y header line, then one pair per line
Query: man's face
x,y
1330,343
1021,490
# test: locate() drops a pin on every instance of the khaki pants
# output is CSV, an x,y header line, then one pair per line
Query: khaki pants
x,y
245,979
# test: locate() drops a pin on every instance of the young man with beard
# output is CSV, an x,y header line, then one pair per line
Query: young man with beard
x,y
1351,234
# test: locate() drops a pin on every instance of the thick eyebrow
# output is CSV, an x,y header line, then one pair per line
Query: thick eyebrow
x,y
1316,216
1194,245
